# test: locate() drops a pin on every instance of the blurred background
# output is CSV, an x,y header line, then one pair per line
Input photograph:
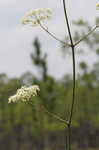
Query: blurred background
x,y
30,56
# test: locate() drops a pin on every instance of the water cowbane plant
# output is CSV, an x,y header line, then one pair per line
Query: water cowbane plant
x,y
36,18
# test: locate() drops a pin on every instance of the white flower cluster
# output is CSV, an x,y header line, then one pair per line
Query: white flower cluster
x,y
34,17
24,94
97,6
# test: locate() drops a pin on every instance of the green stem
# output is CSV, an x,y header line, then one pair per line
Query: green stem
x,y
73,92
69,137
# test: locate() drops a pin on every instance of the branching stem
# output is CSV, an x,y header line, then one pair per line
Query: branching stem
x,y
51,34
73,92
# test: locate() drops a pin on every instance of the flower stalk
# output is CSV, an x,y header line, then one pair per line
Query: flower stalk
x,y
73,91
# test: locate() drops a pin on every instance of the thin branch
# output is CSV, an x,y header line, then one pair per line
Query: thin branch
x,y
56,116
51,114
86,35
51,34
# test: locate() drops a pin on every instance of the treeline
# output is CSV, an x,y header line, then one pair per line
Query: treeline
x,y
32,128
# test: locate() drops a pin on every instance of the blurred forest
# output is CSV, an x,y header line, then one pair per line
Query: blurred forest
x,y
26,128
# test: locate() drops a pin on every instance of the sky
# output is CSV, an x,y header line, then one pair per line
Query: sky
x,y
16,40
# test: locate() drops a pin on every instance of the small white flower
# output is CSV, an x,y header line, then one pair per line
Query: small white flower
x,y
97,6
34,17
26,20
24,94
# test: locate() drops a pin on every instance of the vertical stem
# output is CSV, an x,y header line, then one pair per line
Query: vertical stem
x,y
67,22
69,137
66,140
73,92
73,95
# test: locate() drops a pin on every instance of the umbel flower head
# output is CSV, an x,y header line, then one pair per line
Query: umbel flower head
x,y
24,94
34,17
97,6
